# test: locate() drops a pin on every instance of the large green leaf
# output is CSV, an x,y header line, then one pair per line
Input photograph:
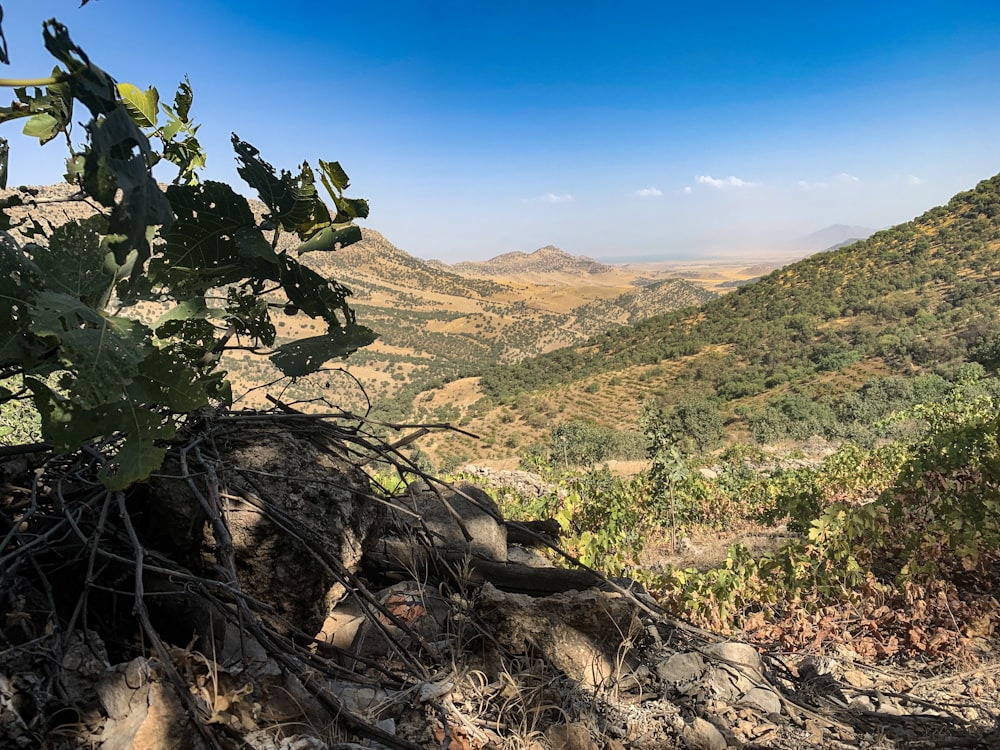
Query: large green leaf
x,y
293,201
334,177
68,425
305,356
204,246
103,361
102,354
119,159
169,381
139,455
336,182
42,126
142,106
74,263
314,295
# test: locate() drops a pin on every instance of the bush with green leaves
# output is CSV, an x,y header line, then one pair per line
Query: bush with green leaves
x,y
72,339
906,535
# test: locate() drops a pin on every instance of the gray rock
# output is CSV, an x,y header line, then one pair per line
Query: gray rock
x,y
763,699
741,654
681,668
422,506
522,556
703,735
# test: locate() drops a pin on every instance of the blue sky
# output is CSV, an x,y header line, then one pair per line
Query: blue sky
x,y
608,129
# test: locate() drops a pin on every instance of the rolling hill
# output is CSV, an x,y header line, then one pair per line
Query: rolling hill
x,y
920,298
545,260
435,324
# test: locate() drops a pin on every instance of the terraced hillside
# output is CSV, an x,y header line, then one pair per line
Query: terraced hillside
x,y
919,299
436,325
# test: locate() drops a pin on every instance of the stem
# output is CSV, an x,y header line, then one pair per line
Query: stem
x,y
16,83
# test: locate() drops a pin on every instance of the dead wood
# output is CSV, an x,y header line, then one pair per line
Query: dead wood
x,y
405,559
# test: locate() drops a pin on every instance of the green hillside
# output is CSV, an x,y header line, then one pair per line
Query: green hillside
x,y
646,301
920,297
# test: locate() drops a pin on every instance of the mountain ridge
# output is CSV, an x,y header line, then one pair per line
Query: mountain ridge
x,y
920,298
547,259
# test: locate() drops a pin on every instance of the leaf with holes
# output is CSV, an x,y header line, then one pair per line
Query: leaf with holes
x,y
305,356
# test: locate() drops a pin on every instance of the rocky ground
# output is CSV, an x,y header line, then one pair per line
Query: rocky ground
x,y
264,592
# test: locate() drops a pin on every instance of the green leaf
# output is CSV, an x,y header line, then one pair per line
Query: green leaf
x,y
351,208
74,263
89,84
314,295
293,201
50,109
104,360
330,238
68,425
195,336
335,181
65,424
53,313
201,248
102,353
305,356
183,99
142,106
334,177
119,159
20,278
189,308
165,379
139,455
42,126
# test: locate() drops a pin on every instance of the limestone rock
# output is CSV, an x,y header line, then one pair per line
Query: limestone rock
x,y
297,476
274,476
570,737
740,654
581,632
703,735
144,711
423,506
681,668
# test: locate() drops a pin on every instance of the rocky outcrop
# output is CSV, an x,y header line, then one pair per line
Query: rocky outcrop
x,y
273,478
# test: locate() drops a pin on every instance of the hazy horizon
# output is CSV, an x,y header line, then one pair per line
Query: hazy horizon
x,y
608,131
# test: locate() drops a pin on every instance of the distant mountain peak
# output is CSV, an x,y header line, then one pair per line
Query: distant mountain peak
x,y
547,259
833,235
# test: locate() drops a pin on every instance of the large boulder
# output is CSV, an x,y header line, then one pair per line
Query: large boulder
x,y
299,512
438,512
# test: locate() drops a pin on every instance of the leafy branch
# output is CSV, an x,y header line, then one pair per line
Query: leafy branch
x,y
100,372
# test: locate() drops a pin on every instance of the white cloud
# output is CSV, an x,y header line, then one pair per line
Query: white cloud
x,y
725,182
553,198
847,179
650,192
914,180
687,190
